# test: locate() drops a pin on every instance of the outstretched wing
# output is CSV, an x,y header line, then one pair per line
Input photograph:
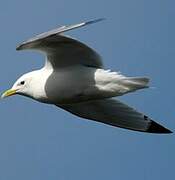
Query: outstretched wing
x,y
62,50
115,113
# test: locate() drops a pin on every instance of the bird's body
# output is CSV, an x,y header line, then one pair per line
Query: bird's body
x,y
74,79
85,83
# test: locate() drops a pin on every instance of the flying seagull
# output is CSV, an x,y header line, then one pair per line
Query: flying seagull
x,y
73,78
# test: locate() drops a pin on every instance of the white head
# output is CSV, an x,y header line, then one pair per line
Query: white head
x,y
29,84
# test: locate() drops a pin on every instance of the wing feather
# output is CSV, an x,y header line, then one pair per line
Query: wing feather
x,y
115,113
62,50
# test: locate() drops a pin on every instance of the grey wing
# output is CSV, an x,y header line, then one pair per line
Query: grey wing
x,y
62,50
115,113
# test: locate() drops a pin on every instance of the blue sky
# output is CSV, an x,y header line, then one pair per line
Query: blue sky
x,y
40,141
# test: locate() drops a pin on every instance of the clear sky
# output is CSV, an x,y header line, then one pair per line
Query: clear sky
x,y
42,142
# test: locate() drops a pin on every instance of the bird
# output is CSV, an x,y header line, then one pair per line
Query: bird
x,y
74,78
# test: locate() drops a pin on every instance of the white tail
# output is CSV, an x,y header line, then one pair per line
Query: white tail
x,y
135,83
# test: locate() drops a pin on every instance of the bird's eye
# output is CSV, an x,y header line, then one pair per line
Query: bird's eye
x,y
22,82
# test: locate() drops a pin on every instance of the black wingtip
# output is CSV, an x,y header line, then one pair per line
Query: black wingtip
x,y
157,128
18,48
94,21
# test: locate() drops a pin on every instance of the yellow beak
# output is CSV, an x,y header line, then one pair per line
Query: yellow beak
x,y
9,92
